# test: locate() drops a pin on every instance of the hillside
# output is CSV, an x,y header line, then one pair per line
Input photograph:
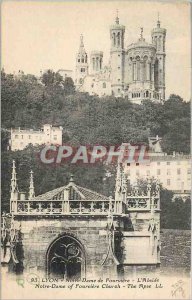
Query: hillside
x,y
30,103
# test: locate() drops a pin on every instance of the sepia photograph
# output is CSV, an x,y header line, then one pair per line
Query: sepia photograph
x,y
95,149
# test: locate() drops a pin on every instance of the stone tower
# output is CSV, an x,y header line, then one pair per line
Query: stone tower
x,y
96,61
117,32
158,39
81,64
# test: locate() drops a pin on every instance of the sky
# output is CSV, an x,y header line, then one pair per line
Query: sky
x,y
42,35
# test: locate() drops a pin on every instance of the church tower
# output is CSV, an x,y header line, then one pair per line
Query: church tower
x,y
117,33
81,64
158,39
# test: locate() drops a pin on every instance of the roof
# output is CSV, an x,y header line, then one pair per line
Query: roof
x,y
141,43
81,192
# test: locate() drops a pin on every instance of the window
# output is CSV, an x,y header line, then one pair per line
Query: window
x,y
104,85
188,171
16,136
168,172
55,137
118,67
137,164
82,70
128,164
92,85
168,163
119,90
178,171
168,181
118,79
22,136
29,137
158,172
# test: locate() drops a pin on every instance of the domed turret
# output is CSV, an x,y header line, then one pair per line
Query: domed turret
x,y
96,61
117,32
158,38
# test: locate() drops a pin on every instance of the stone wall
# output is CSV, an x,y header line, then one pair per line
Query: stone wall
x,y
175,251
38,234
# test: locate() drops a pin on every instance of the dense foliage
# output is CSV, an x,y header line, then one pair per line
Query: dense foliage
x,y
31,102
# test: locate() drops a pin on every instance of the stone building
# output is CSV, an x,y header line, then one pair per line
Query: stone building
x,y
172,171
136,72
58,233
21,138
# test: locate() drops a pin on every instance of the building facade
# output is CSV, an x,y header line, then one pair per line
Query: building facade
x,y
21,138
136,72
58,233
172,171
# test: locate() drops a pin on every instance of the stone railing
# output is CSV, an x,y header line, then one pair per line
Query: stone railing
x,y
71,207
142,203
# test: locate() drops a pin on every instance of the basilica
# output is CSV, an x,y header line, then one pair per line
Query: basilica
x,y
136,72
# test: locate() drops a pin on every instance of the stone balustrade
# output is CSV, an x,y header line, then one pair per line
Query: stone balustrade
x,y
71,207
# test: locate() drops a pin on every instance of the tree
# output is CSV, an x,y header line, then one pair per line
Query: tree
x,y
69,87
50,78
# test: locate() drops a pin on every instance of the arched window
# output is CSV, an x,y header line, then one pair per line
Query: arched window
x,y
137,68
114,42
93,63
104,85
82,60
97,63
86,59
65,258
145,68
147,94
156,73
118,39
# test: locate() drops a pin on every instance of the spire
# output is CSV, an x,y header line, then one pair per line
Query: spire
x,y
124,182
141,35
81,51
81,46
158,21
117,17
118,179
81,41
14,187
31,186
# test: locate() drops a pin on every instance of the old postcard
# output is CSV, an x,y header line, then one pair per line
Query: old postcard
x,y
95,140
